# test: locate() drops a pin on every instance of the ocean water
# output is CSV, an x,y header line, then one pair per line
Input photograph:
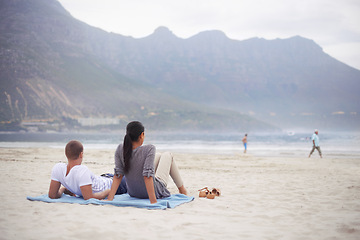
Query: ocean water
x,y
333,145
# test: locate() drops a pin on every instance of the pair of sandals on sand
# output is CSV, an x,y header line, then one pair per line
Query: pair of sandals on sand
x,y
205,192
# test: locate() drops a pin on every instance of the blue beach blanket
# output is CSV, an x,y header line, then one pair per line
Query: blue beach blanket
x,y
123,200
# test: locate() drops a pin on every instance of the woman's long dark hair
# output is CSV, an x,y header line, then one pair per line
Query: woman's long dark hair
x,y
133,132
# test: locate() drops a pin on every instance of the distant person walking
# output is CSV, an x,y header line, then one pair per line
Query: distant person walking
x,y
244,140
315,140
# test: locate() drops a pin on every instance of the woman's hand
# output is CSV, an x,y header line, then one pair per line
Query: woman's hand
x,y
115,185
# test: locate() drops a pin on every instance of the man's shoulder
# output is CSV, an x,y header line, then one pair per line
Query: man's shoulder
x,y
58,171
80,168
60,165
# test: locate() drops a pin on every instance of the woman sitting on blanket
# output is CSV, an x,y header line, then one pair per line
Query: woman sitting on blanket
x,y
146,173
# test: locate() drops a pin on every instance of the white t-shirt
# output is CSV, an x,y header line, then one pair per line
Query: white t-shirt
x,y
79,176
315,138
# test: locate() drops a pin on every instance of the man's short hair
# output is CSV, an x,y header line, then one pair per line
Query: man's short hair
x,y
73,149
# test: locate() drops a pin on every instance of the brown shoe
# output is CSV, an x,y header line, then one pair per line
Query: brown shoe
x,y
203,192
211,195
216,192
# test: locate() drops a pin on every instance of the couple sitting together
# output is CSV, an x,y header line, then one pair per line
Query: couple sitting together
x,y
138,171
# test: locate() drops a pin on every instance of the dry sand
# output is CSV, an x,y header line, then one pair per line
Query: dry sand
x,y
262,198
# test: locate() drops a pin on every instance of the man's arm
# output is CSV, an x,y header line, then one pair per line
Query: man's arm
x,y
101,195
87,193
54,190
149,183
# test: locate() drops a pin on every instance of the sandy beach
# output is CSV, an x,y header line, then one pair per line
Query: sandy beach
x,y
262,198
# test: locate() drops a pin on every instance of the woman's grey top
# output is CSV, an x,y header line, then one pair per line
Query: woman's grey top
x,y
141,165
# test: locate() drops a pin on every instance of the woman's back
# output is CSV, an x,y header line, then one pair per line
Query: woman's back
x,y
141,165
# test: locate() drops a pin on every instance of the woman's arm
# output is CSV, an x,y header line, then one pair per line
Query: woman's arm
x,y
114,187
149,172
149,183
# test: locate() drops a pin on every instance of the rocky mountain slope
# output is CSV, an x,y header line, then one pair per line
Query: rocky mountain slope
x,y
53,66
49,72
283,80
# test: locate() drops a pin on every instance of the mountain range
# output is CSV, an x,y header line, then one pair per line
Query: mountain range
x,y
56,68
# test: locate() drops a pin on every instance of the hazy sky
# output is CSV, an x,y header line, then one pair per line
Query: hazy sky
x,y
333,24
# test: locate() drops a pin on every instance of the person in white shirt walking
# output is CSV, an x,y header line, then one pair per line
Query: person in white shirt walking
x,y
315,140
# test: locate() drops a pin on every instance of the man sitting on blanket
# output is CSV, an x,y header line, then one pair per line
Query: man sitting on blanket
x,y
78,179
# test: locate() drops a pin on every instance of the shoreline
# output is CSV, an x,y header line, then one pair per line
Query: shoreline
x,y
218,150
262,198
